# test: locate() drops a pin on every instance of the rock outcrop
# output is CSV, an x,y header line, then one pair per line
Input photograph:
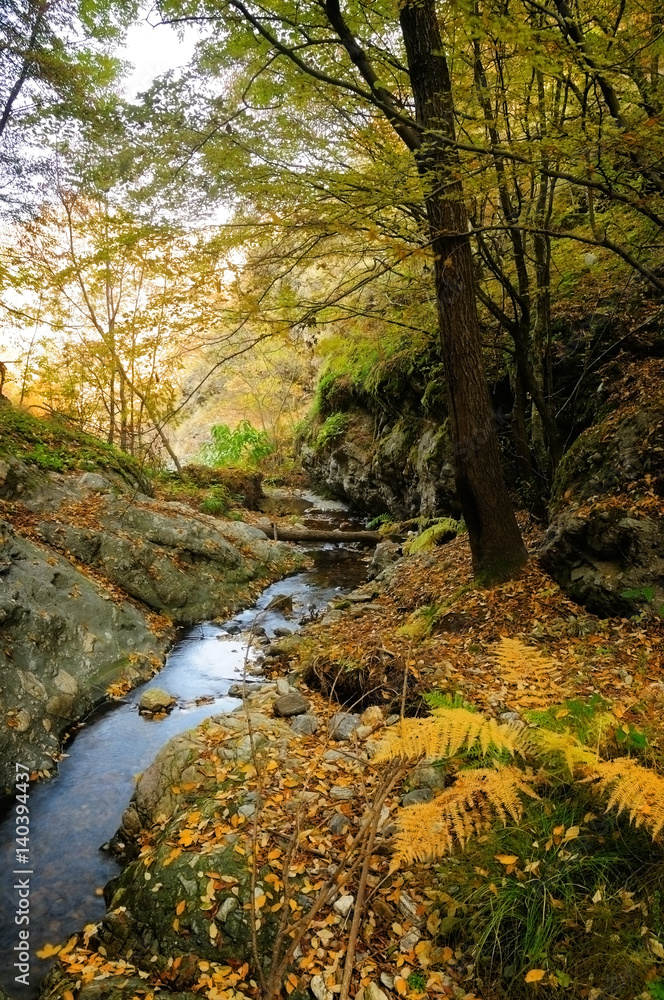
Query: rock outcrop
x,y
404,467
84,565
605,543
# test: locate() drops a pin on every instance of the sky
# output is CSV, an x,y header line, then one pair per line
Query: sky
x,y
153,50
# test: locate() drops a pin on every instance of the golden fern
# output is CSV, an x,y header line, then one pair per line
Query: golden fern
x,y
632,788
468,808
544,741
446,732
529,670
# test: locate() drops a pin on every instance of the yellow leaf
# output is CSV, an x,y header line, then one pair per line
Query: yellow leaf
x,y
447,954
180,908
401,986
572,833
49,950
535,975
67,995
214,930
260,901
507,859
186,838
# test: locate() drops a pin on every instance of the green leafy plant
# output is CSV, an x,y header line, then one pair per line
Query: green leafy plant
x,y
334,427
244,445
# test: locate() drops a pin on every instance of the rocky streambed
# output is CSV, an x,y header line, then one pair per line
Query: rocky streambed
x,y
82,806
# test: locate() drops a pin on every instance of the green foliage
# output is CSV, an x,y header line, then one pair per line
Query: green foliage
x,y
440,699
656,989
244,445
334,427
54,445
585,718
217,502
379,521
443,530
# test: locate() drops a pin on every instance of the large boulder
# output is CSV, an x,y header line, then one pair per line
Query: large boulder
x,y
404,467
605,543
65,640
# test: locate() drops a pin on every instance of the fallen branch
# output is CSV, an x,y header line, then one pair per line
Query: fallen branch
x,y
312,535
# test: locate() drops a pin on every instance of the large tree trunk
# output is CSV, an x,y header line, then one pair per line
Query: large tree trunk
x,y
495,540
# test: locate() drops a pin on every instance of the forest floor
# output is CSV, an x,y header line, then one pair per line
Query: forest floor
x,y
459,927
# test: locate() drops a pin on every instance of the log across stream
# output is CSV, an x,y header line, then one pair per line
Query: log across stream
x,y
77,811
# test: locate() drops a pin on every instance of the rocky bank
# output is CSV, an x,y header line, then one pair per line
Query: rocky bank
x,y
94,575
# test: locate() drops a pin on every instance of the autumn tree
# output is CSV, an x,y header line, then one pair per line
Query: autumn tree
x,y
325,44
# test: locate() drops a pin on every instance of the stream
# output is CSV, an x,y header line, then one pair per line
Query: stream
x,y
77,811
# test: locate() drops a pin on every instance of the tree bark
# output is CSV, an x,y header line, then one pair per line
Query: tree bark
x,y
495,540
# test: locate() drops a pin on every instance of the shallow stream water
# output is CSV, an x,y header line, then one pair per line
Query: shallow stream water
x,y
77,811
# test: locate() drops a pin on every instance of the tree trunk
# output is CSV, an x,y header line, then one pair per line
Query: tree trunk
x,y
495,541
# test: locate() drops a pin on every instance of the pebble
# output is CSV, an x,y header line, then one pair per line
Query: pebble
x,y
305,725
283,687
387,980
416,796
407,906
343,905
341,793
338,824
342,725
282,632
392,720
319,989
409,940
374,992
291,704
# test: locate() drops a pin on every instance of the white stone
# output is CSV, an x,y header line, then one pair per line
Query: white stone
x,y
344,905
320,990
374,992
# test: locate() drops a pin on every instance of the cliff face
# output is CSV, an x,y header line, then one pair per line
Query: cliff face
x,y
403,467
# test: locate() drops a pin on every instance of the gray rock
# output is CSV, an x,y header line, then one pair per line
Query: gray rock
x,y
283,687
385,554
291,704
282,632
343,905
305,725
338,824
407,469
416,796
94,482
342,726
155,700
342,793
426,776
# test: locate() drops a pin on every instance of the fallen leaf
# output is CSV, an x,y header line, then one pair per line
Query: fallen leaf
x,y
535,975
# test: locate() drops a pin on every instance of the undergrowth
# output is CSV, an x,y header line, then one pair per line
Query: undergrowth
x,y
58,446
559,818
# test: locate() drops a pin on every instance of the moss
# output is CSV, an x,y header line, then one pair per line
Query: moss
x,y
53,445
334,427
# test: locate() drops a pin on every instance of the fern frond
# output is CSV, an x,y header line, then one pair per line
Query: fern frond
x,y
631,788
466,809
445,733
443,530
548,742
531,672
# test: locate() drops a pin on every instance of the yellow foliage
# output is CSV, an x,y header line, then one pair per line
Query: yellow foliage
x,y
468,808
632,788
544,741
445,733
531,671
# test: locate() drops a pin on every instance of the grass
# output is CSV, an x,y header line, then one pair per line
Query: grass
x,y
54,445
